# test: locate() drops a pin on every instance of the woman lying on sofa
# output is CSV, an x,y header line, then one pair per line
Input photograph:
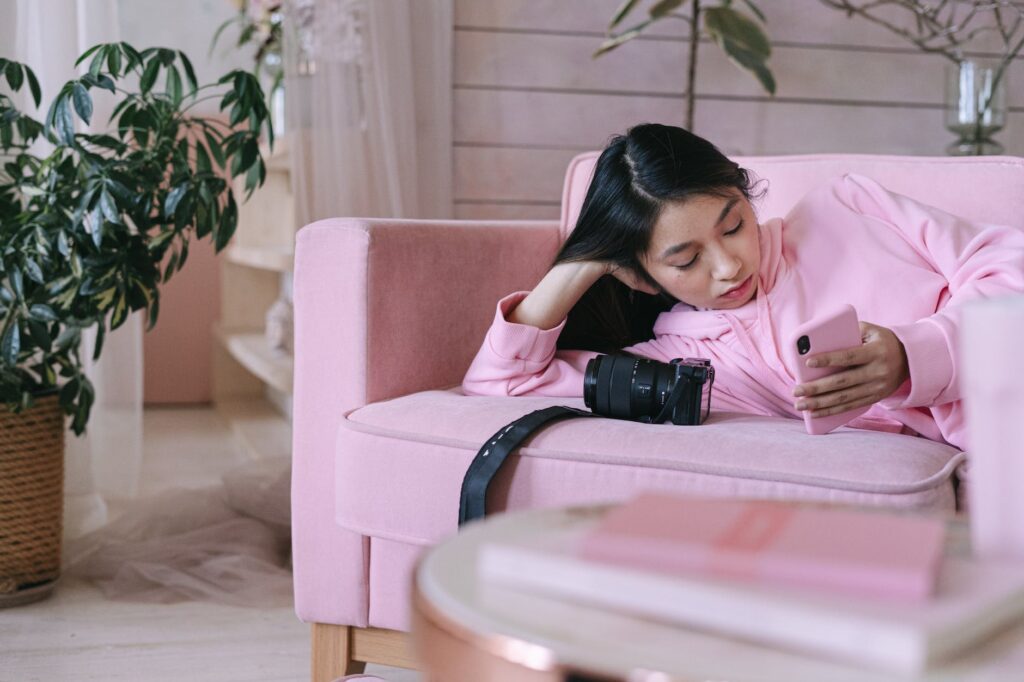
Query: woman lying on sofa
x,y
695,275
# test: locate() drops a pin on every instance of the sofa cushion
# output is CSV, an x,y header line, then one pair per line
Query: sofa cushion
x,y
400,462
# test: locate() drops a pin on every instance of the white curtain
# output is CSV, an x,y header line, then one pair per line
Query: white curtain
x,y
368,88
105,463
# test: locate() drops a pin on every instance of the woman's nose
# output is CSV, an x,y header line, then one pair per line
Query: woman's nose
x,y
727,266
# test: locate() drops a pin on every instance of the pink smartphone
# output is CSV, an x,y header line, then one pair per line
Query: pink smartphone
x,y
837,330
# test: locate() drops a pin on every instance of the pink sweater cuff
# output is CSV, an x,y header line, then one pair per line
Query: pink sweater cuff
x,y
929,359
513,341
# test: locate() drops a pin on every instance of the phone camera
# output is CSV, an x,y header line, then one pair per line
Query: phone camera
x,y
803,344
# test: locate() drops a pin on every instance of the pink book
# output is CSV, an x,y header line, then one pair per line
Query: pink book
x,y
863,553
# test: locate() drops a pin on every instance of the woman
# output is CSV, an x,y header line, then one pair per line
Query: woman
x,y
668,215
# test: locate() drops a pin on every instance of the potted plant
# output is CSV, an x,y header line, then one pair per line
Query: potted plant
x,y
737,34
88,232
975,88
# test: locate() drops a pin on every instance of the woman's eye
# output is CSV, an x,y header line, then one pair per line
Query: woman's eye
x,y
735,229
687,266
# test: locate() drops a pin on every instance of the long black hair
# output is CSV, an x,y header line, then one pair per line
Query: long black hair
x,y
635,176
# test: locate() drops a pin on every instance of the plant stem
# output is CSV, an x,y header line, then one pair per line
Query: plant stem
x,y
691,77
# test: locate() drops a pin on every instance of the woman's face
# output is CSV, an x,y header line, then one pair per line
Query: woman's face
x,y
705,251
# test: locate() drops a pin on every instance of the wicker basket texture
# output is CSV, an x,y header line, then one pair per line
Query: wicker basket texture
x,y
31,495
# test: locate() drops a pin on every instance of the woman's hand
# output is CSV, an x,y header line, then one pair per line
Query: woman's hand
x,y
630,278
875,369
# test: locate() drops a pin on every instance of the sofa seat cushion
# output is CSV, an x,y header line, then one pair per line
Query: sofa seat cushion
x,y
400,462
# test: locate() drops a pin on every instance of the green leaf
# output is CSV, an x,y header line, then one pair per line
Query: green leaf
x,y
83,102
101,332
114,60
620,14
15,76
228,223
726,23
149,76
34,272
203,163
69,391
43,313
10,345
62,244
171,263
68,338
104,81
64,123
190,73
612,43
120,313
173,198
751,62
39,334
97,60
109,207
17,283
173,85
756,10
215,149
88,53
132,54
663,7
33,85
154,312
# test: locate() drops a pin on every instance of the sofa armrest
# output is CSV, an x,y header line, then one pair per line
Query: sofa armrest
x,y
383,308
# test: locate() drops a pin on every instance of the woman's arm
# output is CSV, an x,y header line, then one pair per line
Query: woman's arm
x,y
978,260
518,355
562,287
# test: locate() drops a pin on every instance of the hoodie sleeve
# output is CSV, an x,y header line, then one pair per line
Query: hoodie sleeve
x,y
978,260
519,359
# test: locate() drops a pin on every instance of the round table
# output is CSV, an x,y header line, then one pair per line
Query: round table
x,y
466,630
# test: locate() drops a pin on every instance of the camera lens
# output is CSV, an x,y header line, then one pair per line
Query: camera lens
x,y
625,387
803,345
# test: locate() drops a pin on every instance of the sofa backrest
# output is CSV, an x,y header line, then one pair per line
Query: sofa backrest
x,y
987,188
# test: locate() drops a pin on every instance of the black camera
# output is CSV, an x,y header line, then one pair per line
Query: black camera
x,y
649,391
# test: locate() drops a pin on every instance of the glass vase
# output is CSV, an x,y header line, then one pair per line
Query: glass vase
x,y
975,106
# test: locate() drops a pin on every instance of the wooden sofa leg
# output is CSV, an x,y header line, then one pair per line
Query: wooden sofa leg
x,y
332,652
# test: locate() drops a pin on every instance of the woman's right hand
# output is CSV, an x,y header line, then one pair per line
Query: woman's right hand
x,y
630,278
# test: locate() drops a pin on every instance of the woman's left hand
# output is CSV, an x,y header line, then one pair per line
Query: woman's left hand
x,y
873,371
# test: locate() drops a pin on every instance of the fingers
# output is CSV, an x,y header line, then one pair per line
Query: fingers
x,y
850,357
845,406
836,382
842,400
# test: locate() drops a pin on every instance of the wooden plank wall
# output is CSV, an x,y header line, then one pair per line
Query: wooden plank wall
x,y
528,97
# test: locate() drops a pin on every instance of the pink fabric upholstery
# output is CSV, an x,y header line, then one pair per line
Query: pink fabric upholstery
x,y
382,308
388,308
982,188
400,462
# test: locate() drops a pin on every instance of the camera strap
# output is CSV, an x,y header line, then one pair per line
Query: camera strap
x,y
495,451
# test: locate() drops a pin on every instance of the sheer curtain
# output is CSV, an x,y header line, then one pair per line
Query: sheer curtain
x,y
369,112
105,463
368,87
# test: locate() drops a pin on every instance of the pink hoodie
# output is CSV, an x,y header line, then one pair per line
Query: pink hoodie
x,y
902,264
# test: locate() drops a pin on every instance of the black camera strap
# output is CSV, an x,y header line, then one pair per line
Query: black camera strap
x,y
492,455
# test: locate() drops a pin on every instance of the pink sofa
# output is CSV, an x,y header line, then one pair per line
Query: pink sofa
x,y
388,315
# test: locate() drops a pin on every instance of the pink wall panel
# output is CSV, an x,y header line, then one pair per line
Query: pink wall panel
x,y
177,351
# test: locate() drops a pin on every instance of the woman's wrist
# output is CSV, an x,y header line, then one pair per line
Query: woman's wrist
x,y
554,296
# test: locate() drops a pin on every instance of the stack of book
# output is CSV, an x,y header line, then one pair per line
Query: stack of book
x,y
867,587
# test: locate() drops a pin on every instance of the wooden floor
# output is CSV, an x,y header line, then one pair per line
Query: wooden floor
x,y
77,635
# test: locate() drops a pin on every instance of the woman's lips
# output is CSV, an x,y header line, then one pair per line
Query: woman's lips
x,y
740,291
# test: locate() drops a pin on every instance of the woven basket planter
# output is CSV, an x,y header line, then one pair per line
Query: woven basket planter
x,y
31,500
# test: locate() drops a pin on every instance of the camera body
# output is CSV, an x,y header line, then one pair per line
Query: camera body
x,y
639,389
